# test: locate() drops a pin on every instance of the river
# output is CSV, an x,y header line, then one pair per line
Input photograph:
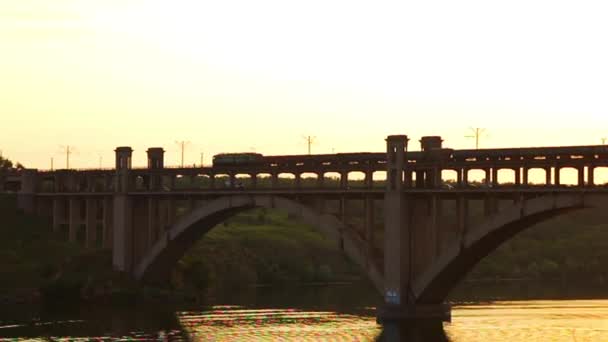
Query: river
x,y
335,313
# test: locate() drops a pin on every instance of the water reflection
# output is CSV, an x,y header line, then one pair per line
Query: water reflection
x,y
242,324
321,315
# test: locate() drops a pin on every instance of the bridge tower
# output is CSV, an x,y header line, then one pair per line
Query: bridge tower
x,y
397,266
122,255
411,231
156,161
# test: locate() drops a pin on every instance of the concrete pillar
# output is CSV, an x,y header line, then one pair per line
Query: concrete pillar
x,y
462,208
343,180
73,218
58,211
171,211
408,180
488,177
581,176
320,180
420,176
91,222
342,209
122,247
156,161
369,179
557,170
465,177
254,180
526,172
517,176
274,180
122,222
590,175
26,196
494,176
547,176
212,181
107,183
459,175
140,229
369,228
153,220
107,222
123,167
397,265
298,180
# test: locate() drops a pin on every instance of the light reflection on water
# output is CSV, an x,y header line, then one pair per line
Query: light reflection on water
x,y
547,320
240,324
569,320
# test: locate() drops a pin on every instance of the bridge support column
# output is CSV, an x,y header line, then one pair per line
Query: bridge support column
x,y
517,176
91,222
73,219
108,218
409,243
58,213
122,249
590,175
369,228
556,175
153,220
581,176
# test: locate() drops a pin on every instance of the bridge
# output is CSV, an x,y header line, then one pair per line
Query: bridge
x,y
413,221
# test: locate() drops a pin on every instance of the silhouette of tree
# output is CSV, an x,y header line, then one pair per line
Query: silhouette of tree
x,y
6,164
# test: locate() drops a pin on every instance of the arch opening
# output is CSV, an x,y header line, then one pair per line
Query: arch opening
x,y
309,180
568,176
506,177
157,264
480,240
379,179
263,180
449,179
356,180
331,180
600,176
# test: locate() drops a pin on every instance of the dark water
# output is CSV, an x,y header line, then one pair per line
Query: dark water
x,y
336,313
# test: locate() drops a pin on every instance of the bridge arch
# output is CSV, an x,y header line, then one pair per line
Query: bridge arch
x,y
463,254
158,262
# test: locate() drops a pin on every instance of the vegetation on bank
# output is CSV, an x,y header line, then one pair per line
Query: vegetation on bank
x,y
262,247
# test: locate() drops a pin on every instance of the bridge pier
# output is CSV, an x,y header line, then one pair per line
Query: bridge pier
x,y
412,233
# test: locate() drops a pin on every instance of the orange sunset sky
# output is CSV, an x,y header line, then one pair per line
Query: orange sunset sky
x,y
231,76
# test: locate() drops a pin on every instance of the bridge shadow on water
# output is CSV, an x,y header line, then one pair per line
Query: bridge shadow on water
x,y
420,332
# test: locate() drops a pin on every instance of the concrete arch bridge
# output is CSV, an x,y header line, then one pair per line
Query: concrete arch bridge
x,y
415,233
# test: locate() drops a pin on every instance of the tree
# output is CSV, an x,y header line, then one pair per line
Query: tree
x,y
6,164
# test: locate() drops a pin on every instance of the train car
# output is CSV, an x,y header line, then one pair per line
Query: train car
x,y
227,159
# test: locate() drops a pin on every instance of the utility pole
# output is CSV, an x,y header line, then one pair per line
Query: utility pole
x,y
68,151
51,163
603,142
309,141
202,159
182,145
477,132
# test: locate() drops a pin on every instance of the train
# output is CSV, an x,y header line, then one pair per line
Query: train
x,y
227,159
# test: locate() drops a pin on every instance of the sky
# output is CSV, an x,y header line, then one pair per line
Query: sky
x,y
241,76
